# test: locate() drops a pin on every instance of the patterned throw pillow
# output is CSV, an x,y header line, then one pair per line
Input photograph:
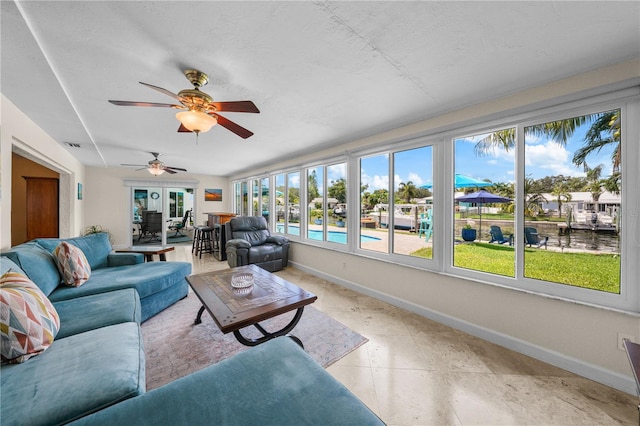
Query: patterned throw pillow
x,y
28,320
72,264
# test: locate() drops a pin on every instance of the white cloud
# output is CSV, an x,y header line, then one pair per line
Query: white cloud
x,y
550,158
294,180
374,182
337,171
379,182
415,178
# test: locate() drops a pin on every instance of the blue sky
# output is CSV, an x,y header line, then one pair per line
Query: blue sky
x,y
543,157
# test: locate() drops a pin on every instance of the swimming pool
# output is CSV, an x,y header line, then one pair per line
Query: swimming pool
x,y
333,236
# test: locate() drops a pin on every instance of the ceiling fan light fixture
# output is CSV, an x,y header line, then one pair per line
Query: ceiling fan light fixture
x,y
155,169
196,121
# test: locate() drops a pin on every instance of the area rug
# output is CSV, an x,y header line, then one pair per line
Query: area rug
x,y
175,347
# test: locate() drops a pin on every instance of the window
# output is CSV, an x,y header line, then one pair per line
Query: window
x,y
326,203
484,202
280,202
337,203
573,200
550,215
257,197
403,223
237,196
293,206
244,190
413,202
264,206
317,204
374,203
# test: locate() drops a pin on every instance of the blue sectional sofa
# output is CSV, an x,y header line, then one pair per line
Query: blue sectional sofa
x,y
159,284
94,371
96,360
275,383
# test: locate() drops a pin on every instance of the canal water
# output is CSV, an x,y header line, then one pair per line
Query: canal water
x,y
580,239
577,239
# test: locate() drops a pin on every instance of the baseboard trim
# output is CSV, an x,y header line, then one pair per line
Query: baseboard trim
x,y
574,365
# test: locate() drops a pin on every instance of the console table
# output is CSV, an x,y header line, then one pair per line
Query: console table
x,y
218,217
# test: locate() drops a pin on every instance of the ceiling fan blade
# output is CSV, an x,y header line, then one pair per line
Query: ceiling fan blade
x,y
168,170
179,169
183,129
236,106
235,128
145,104
161,90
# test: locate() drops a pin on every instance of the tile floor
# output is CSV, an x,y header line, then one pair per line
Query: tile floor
x,y
414,371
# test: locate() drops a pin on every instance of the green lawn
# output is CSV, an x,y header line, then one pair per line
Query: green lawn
x,y
594,271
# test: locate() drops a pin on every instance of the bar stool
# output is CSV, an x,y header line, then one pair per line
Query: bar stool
x,y
196,236
203,241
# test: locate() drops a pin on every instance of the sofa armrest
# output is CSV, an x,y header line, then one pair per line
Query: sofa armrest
x,y
278,239
239,243
122,259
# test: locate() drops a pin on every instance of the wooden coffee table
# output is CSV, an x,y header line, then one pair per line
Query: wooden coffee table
x,y
234,309
148,251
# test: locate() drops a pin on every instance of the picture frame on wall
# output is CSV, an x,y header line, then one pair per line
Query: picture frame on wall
x,y
213,194
79,191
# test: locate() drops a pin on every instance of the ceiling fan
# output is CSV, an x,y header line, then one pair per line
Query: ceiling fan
x,y
199,110
157,167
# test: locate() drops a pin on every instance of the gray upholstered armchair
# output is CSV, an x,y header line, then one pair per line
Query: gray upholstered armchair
x,y
249,241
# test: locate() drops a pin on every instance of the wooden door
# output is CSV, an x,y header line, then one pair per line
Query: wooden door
x,y
42,208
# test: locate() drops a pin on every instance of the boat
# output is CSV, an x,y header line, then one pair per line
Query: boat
x,y
405,216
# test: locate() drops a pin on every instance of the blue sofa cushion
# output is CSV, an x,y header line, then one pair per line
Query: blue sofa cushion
x,y
96,247
76,376
98,310
275,383
7,264
38,264
146,278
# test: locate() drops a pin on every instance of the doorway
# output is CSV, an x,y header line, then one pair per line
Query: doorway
x,y
35,200
158,215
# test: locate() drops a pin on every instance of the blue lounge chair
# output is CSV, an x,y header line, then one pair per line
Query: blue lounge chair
x,y
497,237
532,237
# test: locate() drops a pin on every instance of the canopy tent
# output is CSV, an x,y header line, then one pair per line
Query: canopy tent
x,y
462,181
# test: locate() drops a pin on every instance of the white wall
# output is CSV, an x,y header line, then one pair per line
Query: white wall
x,y
574,336
19,133
108,199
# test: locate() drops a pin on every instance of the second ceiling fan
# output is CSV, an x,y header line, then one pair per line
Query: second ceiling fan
x,y
199,110
157,167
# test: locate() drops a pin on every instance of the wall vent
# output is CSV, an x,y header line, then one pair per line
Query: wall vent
x,y
72,144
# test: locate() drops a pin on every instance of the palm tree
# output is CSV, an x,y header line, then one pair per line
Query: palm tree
x,y
507,190
560,131
407,191
561,192
594,185
605,131
533,200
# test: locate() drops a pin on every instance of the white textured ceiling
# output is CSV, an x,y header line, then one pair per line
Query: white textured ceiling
x,y
321,73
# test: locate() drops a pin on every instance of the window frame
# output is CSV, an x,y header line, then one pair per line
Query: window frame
x,y
628,298
441,140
